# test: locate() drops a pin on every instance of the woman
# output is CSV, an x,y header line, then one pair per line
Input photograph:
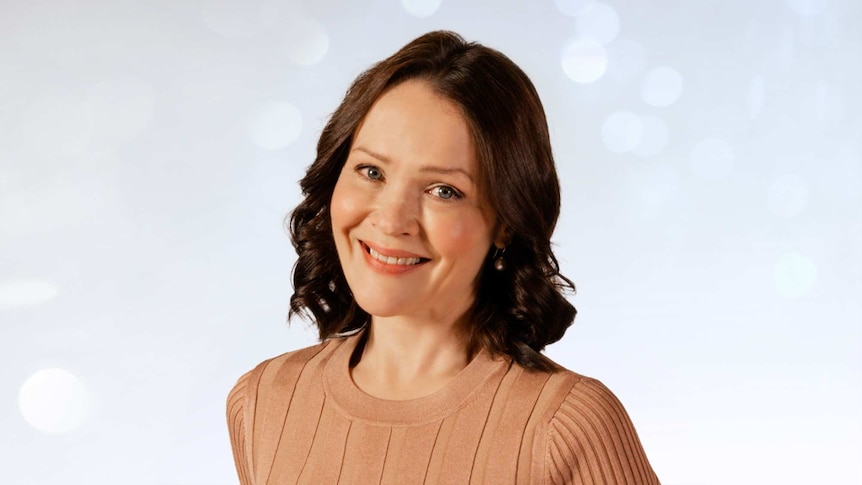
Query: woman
x,y
426,263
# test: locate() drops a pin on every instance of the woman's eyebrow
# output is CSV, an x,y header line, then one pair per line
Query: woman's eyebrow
x,y
423,168
445,170
381,157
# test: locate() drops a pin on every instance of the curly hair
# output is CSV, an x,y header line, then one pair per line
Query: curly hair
x,y
518,311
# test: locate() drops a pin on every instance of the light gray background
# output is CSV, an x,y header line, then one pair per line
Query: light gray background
x,y
711,165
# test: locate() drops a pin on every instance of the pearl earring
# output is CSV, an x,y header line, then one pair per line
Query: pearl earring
x,y
499,262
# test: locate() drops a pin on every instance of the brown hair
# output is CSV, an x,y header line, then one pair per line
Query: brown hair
x,y
518,311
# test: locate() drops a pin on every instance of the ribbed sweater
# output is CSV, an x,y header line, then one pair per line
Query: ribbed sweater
x,y
299,418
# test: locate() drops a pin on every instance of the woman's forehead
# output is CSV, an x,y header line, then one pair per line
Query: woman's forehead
x,y
411,123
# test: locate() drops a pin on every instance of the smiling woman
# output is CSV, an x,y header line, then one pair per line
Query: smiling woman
x,y
425,260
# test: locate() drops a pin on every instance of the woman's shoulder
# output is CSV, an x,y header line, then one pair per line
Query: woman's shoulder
x,y
284,370
260,398
591,430
575,395
586,400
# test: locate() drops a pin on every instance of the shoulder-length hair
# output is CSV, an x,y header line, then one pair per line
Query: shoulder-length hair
x,y
518,311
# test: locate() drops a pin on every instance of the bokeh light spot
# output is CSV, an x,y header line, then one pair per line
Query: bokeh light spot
x,y
26,293
794,275
53,401
237,19
307,41
622,131
654,137
275,125
661,86
598,22
421,8
584,61
788,195
573,8
712,159
755,96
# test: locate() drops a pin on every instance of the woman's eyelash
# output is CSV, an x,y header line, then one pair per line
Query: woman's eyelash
x,y
447,193
370,172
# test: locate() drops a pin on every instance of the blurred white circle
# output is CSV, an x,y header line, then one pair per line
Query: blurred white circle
x,y
122,108
421,8
584,61
794,275
622,131
626,60
598,22
307,41
654,137
53,401
808,7
57,125
755,96
275,125
712,159
573,8
236,19
788,195
26,293
661,86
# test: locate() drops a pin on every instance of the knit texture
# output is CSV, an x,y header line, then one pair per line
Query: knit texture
x,y
299,418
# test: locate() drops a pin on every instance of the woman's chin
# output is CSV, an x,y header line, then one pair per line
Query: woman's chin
x,y
384,308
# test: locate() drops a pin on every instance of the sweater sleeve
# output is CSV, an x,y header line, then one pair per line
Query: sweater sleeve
x,y
591,440
237,405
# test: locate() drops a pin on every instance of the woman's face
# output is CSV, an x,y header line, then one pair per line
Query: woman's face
x,y
410,227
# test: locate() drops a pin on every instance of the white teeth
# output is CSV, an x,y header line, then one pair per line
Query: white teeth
x,y
391,260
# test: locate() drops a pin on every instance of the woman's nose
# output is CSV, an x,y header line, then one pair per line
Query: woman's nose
x,y
396,213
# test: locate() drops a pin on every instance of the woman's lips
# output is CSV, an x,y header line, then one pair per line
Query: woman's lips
x,y
391,261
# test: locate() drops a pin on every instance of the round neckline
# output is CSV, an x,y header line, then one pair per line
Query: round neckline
x,y
358,404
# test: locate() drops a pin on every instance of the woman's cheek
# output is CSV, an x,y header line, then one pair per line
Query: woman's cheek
x,y
347,202
463,231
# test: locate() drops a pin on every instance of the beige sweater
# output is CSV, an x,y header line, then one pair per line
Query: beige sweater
x,y
299,418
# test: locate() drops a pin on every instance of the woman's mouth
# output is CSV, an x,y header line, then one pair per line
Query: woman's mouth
x,y
390,260
394,260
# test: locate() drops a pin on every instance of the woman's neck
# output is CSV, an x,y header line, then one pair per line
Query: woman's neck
x,y
406,359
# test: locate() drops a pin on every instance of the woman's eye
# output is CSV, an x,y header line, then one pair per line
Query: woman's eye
x,y
372,173
446,193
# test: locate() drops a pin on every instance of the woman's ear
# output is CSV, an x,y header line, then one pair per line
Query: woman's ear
x,y
502,236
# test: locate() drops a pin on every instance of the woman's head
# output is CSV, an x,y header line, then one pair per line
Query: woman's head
x,y
496,134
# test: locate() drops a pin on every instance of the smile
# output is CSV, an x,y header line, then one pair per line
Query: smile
x,y
390,260
393,262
